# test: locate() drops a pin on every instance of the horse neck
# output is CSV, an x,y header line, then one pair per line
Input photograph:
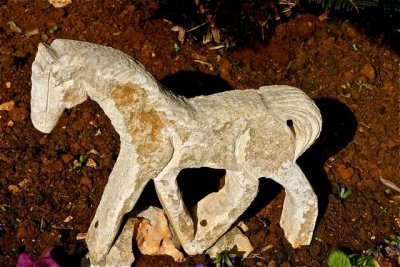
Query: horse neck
x,y
124,95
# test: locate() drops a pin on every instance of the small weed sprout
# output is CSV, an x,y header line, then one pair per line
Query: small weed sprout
x,y
177,48
3,207
360,83
78,163
224,258
393,248
393,241
54,29
344,192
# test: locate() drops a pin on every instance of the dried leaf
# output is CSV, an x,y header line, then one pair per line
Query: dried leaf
x,y
7,105
13,188
30,33
91,163
24,183
216,35
94,152
181,35
14,27
68,219
323,16
81,236
207,38
176,28
390,184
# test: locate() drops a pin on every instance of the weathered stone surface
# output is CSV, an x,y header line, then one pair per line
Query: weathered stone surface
x,y
121,253
154,236
250,134
234,240
60,3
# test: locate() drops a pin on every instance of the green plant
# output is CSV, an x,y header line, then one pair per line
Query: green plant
x,y
393,241
364,261
224,258
344,192
338,258
54,29
78,163
348,5
3,207
177,48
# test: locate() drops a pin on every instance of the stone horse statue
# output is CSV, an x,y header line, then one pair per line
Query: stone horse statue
x,y
249,133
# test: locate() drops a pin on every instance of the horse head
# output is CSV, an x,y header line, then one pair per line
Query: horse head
x,y
53,88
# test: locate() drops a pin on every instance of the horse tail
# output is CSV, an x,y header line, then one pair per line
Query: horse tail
x,y
297,110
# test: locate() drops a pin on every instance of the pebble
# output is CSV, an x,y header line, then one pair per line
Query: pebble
x,y
86,181
131,8
345,172
369,72
7,105
67,158
19,114
272,263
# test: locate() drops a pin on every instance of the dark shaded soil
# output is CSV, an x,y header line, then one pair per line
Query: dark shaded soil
x,y
353,76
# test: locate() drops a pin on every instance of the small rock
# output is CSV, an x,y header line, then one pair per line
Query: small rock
x,y
8,85
66,157
91,163
18,114
233,238
86,181
345,172
388,86
349,76
154,236
43,140
352,32
272,263
10,123
68,219
60,3
27,229
131,8
369,72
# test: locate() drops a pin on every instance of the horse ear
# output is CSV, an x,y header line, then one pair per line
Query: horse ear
x,y
47,54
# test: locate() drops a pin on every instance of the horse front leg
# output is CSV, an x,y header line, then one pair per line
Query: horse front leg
x,y
171,199
300,207
120,195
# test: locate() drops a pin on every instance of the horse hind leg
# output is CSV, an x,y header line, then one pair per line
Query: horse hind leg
x,y
213,215
300,207
216,212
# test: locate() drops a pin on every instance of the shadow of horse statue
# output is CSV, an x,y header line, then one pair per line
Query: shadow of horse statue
x,y
250,134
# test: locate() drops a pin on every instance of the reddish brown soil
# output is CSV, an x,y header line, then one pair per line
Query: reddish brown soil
x,y
353,76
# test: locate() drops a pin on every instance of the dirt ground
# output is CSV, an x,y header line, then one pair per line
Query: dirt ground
x,y
47,200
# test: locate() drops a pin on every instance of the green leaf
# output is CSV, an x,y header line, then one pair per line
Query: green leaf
x,y
338,258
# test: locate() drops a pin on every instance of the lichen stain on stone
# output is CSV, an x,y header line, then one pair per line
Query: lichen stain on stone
x,y
129,95
71,97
